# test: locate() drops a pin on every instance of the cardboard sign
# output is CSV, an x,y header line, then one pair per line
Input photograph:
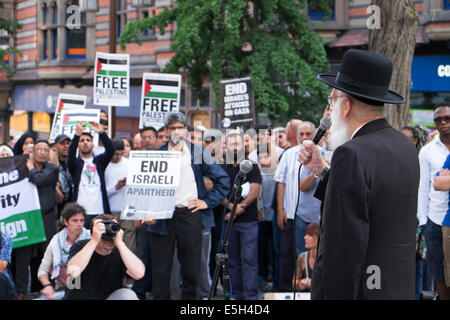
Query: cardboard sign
x,y
237,102
112,80
65,102
70,118
152,181
20,210
160,95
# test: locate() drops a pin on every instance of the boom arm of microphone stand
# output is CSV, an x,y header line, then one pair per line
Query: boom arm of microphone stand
x,y
221,256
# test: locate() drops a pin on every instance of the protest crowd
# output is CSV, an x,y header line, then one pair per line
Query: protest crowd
x,y
92,251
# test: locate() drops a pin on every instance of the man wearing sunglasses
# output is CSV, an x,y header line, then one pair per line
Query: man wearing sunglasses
x,y
432,204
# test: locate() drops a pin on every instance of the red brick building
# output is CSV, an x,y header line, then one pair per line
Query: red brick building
x,y
58,59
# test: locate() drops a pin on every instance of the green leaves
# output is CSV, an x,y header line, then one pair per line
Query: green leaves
x,y
10,26
285,58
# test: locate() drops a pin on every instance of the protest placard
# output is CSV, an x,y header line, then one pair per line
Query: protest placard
x,y
20,210
160,95
152,181
112,79
237,102
70,118
65,102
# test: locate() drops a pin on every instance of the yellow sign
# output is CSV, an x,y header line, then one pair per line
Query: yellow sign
x,y
41,122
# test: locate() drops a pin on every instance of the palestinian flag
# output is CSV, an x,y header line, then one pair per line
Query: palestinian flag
x,y
71,103
112,67
72,118
165,89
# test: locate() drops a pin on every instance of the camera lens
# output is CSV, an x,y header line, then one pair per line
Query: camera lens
x,y
114,228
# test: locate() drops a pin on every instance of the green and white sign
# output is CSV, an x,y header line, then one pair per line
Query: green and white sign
x,y
112,80
20,211
421,117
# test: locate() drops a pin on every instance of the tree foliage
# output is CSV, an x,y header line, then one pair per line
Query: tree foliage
x,y
10,26
286,53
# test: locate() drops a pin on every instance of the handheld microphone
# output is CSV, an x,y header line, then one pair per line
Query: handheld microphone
x,y
325,124
244,167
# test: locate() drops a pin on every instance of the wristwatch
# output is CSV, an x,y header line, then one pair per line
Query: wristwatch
x,y
324,172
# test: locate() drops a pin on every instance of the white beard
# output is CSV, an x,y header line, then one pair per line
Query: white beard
x,y
339,131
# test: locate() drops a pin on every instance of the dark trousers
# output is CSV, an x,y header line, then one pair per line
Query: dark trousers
x,y
185,230
287,256
276,251
435,253
216,233
143,248
265,250
31,256
243,260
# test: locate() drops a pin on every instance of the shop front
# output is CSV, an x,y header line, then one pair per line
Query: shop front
x,y
430,87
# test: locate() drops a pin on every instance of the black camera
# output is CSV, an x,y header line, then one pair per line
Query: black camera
x,y
112,228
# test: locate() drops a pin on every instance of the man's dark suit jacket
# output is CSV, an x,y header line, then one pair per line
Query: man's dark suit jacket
x,y
367,238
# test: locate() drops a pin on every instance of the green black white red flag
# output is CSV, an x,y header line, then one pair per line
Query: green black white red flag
x,y
112,80
160,95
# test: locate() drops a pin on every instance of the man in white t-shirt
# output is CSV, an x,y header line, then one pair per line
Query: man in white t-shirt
x,y
88,171
116,179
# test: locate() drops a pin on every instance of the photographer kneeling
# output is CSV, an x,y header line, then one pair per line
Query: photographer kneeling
x,y
97,266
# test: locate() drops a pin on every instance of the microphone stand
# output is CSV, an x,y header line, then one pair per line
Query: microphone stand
x,y
222,256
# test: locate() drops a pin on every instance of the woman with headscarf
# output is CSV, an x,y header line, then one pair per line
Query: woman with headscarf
x,y
6,151
22,145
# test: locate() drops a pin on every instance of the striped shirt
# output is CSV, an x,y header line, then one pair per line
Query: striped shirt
x,y
287,173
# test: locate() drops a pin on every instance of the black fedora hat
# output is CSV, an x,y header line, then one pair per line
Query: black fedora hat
x,y
366,76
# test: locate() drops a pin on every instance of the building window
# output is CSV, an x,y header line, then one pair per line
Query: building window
x,y
49,29
4,44
204,103
76,37
317,14
121,16
182,97
446,4
143,14
62,30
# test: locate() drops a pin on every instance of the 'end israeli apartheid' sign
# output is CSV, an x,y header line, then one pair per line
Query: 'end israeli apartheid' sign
x,y
152,182
237,104
112,80
160,95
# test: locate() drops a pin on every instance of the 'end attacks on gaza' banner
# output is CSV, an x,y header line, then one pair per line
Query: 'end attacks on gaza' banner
x,y
160,95
152,182
237,102
112,80
20,210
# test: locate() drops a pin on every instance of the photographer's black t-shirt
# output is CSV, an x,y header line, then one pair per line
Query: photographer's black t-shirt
x,y
101,277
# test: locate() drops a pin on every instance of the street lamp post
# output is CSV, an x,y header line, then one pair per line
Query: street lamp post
x,y
112,49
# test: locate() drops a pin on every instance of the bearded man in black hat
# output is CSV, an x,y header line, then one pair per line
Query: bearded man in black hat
x,y
369,193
